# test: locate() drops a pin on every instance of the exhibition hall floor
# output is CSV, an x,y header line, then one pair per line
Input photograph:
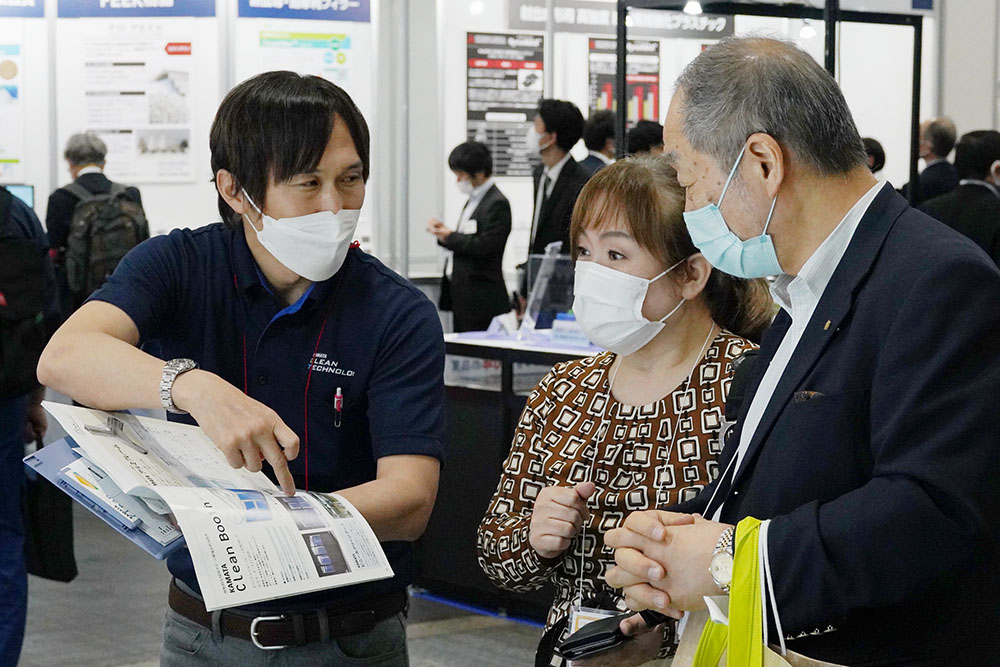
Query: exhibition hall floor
x,y
111,615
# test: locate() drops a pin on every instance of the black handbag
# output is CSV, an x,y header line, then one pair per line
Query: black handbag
x,y
48,530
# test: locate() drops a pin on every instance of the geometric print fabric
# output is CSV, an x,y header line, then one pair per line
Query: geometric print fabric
x,y
569,420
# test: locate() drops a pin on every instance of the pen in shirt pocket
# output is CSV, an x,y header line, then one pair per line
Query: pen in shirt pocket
x,y
338,407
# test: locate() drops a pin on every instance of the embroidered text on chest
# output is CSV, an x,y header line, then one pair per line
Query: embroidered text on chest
x,y
322,364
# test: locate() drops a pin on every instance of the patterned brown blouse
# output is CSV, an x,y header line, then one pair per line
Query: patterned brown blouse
x,y
667,449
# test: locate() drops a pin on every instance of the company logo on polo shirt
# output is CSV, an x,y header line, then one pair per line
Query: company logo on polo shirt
x,y
322,364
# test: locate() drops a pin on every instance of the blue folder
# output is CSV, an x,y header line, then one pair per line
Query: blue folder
x,y
49,462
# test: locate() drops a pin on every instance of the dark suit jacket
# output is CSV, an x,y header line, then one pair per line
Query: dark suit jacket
x,y
878,457
59,213
554,218
973,210
937,179
476,291
592,164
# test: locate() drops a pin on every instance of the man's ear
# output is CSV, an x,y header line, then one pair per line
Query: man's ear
x,y
231,193
766,160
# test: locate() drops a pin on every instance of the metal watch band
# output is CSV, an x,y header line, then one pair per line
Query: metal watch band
x,y
726,544
171,370
726,541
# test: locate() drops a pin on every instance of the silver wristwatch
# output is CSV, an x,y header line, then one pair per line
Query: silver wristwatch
x,y
721,565
171,370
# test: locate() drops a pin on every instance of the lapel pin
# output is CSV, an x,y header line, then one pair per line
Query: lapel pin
x,y
826,327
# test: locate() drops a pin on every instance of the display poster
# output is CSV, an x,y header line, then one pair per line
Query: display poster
x,y
642,78
601,18
12,102
22,8
131,79
324,10
503,87
311,37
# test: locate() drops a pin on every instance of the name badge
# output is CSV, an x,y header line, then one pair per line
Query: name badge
x,y
581,616
470,227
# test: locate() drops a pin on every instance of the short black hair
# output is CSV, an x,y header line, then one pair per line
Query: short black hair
x,y
646,135
976,153
276,125
563,118
599,128
472,157
875,152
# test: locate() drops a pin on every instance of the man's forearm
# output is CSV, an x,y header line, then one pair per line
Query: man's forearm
x,y
101,371
395,508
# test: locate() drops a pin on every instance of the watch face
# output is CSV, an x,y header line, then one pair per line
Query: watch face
x,y
721,568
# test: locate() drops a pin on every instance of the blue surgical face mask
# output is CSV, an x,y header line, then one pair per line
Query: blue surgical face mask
x,y
753,258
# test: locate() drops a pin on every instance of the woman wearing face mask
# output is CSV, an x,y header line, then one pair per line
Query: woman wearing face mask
x,y
634,427
472,286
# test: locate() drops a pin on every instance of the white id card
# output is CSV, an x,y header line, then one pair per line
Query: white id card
x,y
470,226
581,616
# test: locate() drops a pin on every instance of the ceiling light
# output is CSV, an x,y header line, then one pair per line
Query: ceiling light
x,y
692,7
807,32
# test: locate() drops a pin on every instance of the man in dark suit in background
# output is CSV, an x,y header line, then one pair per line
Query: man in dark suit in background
x,y
85,156
558,179
973,208
937,138
866,443
472,286
599,138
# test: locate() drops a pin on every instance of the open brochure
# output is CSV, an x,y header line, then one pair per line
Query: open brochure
x,y
248,541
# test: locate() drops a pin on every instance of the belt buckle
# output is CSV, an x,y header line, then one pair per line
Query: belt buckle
x,y
253,632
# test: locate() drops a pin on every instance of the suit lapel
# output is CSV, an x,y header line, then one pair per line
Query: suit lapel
x,y
481,206
560,186
834,305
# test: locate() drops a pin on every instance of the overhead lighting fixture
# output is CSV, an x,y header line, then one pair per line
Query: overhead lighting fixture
x,y
807,32
476,8
692,7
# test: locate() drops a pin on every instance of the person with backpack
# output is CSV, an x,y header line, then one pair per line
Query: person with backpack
x,y
92,222
29,312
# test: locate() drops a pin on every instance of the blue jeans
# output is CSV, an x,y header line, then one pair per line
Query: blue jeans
x,y
187,644
13,577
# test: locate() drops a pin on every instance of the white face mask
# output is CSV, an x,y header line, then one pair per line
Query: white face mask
x,y
314,246
466,187
533,140
608,307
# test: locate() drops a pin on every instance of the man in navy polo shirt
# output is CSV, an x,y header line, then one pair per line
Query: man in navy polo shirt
x,y
284,321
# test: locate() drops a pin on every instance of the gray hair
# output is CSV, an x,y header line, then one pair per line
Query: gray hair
x,y
85,148
744,85
941,134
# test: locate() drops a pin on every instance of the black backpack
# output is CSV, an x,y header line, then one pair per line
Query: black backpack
x,y
22,302
103,229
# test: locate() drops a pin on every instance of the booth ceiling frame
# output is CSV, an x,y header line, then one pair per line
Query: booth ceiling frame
x,y
830,14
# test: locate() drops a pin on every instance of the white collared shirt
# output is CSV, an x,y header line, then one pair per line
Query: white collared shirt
x,y
470,207
90,169
602,157
552,174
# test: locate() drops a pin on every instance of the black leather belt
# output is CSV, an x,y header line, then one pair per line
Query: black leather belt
x,y
273,630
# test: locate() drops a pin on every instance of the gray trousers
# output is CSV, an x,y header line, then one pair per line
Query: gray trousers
x,y
187,644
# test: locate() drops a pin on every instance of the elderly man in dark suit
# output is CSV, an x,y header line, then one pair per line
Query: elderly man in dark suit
x,y
472,287
867,439
937,138
973,208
